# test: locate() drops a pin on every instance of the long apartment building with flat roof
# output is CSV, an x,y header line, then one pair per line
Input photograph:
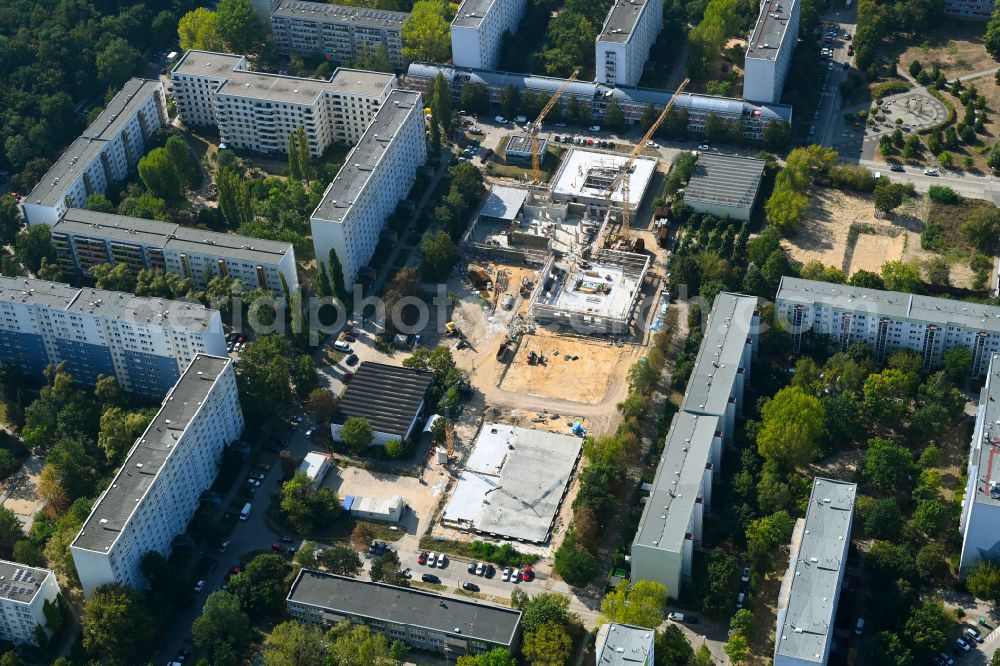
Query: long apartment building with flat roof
x,y
421,619
337,32
889,321
478,28
672,520
107,152
970,10
377,174
810,589
24,591
156,492
980,520
770,49
258,111
145,343
84,239
629,31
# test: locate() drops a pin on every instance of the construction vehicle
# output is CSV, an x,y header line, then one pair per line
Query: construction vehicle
x,y
626,169
535,157
452,329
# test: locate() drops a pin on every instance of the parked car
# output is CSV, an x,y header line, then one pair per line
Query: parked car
x,y
745,576
501,120
472,568
703,146
675,616
974,633
859,627
422,557
961,645
279,547
199,586
652,144
740,599
430,578
342,347
896,166
432,559
263,466
471,587
931,172
528,573
515,576
594,128
480,569
490,571
442,561
506,574
223,546
944,660
352,360
476,131
310,431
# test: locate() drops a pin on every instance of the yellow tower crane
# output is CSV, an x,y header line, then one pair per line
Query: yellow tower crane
x,y
535,158
624,174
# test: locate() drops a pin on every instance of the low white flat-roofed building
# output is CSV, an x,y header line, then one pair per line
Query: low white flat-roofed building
x,y
770,49
24,592
624,645
478,28
315,465
378,509
724,185
629,31
157,490
980,519
810,590
585,176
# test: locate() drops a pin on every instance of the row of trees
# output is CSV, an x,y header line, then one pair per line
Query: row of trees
x,y
881,22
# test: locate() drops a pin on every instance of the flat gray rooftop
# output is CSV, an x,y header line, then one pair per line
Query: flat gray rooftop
x,y
521,143
730,180
769,33
504,202
163,235
459,617
677,484
513,482
893,304
722,347
19,582
986,439
350,181
808,618
324,13
119,110
471,12
624,645
621,20
149,455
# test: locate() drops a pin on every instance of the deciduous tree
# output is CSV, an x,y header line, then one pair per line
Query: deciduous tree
x,y
116,624
549,645
791,425
426,33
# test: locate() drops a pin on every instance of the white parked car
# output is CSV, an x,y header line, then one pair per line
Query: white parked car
x,y
675,616
595,128
442,561
930,172
703,146
432,560
652,144
506,574
501,120
199,586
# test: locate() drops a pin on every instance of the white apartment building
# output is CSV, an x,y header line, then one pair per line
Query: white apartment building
x,y
85,238
810,589
337,32
145,343
478,28
970,10
23,593
888,320
156,491
376,175
629,31
107,152
980,520
258,111
769,53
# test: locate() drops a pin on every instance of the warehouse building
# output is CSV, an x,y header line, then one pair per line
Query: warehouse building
x,y
84,239
980,520
24,592
628,33
337,32
724,185
770,50
840,315
423,620
107,152
390,397
624,645
158,488
478,28
810,590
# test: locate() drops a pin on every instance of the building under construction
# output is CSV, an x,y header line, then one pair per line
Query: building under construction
x,y
586,176
596,296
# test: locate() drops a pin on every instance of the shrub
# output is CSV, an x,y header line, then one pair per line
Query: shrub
x,y
944,194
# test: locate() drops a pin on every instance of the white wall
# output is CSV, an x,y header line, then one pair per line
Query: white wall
x,y
466,50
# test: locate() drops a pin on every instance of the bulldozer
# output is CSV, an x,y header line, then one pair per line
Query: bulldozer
x,y
452,329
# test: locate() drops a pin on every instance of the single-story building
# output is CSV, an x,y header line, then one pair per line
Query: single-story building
x,y
518,149
724,185
392,398
315,466
371,508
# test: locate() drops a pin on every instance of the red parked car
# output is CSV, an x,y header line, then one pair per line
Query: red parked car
x,y
422,558
529,574
279,547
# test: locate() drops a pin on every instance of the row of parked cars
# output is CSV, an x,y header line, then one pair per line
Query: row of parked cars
x,y
962,645
235,342
584,141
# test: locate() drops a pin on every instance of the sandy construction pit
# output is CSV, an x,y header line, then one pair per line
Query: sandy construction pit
x,y
871,251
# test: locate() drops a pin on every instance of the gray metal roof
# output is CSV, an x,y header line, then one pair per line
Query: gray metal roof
x,y
808,617
731,180
349,182
19,582
461,618
769,33
986,438
129,99
387,395
624,645
471,12
893,304
504,202
667,514
722,348
621,20
153,233
149,454
324,13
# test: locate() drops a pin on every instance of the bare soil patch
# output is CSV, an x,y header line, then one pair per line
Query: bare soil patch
x,y
956,47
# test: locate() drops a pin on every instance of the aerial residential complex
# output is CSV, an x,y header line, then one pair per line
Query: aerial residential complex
x,y
769,52
810,590
258,111
624,645
972,10
629,31
107,152
593,97
337,32
145,343
672,519
157,490
84,239
888,320
23,593
478,28
424,620
376,176
980,520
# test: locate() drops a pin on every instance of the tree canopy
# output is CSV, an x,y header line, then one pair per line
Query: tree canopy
x,y
791,426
